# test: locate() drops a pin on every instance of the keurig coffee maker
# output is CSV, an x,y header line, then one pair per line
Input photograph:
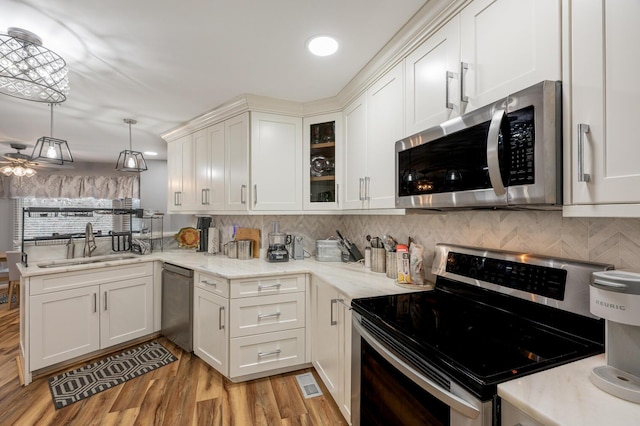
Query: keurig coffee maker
x,y
203,224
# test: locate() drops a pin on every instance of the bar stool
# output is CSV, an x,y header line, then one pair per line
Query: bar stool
x,y
13,258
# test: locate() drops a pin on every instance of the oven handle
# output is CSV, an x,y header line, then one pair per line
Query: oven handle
x,y
493,160
455,402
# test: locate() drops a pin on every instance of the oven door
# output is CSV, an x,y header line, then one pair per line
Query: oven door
x,y
386,389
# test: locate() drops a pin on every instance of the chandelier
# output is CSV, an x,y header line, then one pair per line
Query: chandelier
x,y
130,160
17,163
30,71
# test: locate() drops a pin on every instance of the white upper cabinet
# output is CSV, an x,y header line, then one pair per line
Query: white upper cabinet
x,y
322,162
236,154
604,173
432,80
181,195
276,162
208,158
373,123
507,46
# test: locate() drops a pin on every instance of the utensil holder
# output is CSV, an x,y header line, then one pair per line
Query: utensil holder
x,y
245,249
378,260
392,265
232,250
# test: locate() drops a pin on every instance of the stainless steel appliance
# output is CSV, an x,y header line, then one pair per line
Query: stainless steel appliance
x,y
506,154
203,224
437,357
615,296
277,250
177,305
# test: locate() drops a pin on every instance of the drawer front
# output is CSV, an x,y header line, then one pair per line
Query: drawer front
x,y
257,354
268,285
213,284
67,280
265,314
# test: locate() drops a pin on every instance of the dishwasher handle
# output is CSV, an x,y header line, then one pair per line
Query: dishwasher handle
x,y
169,267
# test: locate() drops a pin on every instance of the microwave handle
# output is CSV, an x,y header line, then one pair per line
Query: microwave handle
x,y
493,159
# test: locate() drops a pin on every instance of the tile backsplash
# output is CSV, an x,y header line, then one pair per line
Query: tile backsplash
x,y
605,240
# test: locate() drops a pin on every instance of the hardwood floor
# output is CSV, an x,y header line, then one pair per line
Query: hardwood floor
x,y
186,392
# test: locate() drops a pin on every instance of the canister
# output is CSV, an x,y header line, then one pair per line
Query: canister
x,y
392,265
245,249
232,249
378,260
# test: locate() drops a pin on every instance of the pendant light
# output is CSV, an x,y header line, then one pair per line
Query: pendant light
x,y
51,150
29,70
130,160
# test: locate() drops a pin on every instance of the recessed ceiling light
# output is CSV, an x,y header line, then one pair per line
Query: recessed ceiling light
x,y
150,153
322,45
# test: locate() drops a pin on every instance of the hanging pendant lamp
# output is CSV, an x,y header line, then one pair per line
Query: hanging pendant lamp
x,y
29,70
51,150
130,160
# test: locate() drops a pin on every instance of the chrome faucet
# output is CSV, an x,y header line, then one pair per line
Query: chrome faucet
x,y
89,241
70,248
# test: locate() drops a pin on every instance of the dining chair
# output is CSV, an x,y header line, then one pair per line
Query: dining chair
x,y
13,258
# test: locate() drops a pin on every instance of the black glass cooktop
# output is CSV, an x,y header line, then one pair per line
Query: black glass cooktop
x,y
479,338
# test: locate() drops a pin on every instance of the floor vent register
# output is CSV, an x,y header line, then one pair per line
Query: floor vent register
x,y
308,385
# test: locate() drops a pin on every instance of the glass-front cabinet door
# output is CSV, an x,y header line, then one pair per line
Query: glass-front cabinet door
x,y
322,162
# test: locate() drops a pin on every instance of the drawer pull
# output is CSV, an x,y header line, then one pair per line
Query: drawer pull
x,y
220,318
263,354
263,316
213,283
263,286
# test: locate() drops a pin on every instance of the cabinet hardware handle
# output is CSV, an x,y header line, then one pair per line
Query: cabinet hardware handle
x,y
262,316
333,302
215,284
95,303
447,102
367,188
105,301
220,318
583,129
463,67
337,194
263,286
360,197
255,195
203,197
263,354
175,199
178,198
493,159
243,194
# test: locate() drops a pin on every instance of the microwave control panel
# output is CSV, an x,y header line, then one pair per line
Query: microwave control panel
x,y
521,147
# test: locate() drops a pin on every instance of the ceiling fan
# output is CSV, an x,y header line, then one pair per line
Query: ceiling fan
x,y
19,164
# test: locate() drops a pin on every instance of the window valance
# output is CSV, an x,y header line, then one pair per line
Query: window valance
x,y
63,186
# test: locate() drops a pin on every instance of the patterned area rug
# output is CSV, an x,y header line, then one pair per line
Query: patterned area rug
x,y
87,381
5,297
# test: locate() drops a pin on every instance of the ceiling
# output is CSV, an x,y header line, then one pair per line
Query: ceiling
x,y
163,62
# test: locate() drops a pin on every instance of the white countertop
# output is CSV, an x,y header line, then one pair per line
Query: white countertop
x,y
353,279
565,396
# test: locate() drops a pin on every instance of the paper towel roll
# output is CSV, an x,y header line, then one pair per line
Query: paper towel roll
x,y
213,243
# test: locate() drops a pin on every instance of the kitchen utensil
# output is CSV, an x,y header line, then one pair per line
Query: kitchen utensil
x,y
232,249
378,260
245,249
354,253
253,234
389,242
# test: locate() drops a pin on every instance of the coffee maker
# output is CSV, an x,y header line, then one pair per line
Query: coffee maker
x,y
615,296
203,224
277,250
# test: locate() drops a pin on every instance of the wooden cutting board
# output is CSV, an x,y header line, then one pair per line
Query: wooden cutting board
x,y
250,234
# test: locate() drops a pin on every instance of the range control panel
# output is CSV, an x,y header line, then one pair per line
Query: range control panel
x,y
541,280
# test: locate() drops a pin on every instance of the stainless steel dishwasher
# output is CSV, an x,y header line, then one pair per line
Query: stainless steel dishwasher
x,y
177,305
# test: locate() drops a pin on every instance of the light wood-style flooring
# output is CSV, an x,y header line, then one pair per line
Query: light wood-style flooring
x,y
186,392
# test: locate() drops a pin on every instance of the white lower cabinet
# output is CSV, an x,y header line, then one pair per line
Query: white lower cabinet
x,y
331,345
70,323
246,328
210,331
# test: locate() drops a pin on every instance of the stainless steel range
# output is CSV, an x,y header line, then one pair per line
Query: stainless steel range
x,y
436,358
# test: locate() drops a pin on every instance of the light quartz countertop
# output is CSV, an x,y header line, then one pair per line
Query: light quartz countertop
x,y
565,396
352,279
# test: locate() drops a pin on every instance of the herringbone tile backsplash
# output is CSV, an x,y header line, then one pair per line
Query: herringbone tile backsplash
x,y
605,240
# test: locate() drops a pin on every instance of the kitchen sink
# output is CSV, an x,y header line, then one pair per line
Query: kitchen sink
x,y
85,261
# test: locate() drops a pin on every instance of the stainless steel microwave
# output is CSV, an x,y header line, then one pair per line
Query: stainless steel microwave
x,y
506,154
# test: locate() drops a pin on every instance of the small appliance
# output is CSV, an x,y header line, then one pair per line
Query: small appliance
x,y
277,250
297,248
506,154
615,296
203,224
